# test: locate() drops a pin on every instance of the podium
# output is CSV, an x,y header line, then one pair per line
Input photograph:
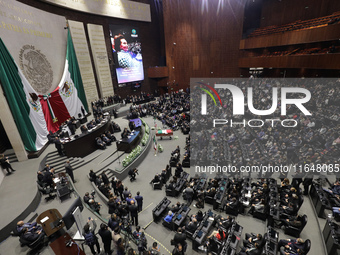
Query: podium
x,y
51,221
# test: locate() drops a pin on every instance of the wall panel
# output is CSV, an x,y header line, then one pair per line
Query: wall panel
x,y
202,41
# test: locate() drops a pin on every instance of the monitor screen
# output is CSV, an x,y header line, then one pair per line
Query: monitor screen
x,y
199,234
127,52
68,216
206,223
179,216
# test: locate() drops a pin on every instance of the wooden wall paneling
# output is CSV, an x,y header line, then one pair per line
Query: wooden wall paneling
x,y
287,11
325,61
322,34
207,42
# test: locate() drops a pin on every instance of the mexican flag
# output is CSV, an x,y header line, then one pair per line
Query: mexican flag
x,y
68,98
36,114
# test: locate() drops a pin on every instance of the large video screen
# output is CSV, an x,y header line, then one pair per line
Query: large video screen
x,y
127,51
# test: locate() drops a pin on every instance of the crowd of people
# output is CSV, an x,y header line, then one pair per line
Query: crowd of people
x,y
315,139
171,109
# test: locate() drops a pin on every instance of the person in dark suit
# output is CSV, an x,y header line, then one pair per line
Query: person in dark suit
x,y
90,237
69,170
31,236
48,177
294,245
58,146
126,193
5,164
84,129
106,236
126,133
133,209
139,200
253,250
180,238
192,226
100,143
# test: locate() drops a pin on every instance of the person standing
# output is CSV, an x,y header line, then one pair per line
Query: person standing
x,y
106,236
133,212
189,192
90,237
5,164
58,146
139,200
69,170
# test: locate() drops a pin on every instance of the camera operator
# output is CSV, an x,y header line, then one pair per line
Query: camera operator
x,y
89,199
132,173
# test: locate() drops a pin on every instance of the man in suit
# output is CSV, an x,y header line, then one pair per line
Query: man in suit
x,y
139,200
106,236
58,146
31,236
133,212
180,238
126,193
189,192
69,170
291,245
5,164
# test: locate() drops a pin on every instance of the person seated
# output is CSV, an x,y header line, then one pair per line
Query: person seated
x,y
175,208
259,207
198,216
84,129
31,236
291,209
171,186
335,189
219,234
226,223
30,226
293,221
191,226
156,179
100,143
251,239
95,206
210,192
110,136
169,217
91,125
291,246
106,140
253,250
125,133
232,205
87,198
212,245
